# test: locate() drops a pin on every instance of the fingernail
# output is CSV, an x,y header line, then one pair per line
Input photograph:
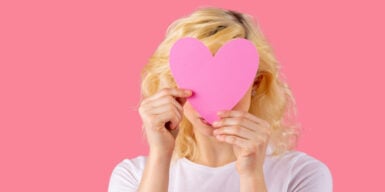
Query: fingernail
x,y
215,123
188,92
220,113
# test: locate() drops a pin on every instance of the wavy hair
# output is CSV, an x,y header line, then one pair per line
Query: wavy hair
x,y
273,100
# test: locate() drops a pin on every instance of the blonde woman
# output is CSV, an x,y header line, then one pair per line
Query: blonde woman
x,y
251,147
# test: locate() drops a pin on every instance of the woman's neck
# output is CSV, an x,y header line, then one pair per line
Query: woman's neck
x,y
212,152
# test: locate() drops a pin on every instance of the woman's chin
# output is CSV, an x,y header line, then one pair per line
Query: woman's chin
x,y
204,122
205,127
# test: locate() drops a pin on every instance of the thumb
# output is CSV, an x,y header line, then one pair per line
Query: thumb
x,y
182,100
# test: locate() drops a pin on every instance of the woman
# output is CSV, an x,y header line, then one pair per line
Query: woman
x,y
251,147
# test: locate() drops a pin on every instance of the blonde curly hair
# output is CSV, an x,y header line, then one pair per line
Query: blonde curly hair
x,y
273,100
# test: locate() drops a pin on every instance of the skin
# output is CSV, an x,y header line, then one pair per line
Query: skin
x,y
237,136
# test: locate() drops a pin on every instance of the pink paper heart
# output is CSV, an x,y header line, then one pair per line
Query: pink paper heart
x,y
219,82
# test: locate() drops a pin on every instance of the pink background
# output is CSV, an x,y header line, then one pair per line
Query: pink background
x,y
69,85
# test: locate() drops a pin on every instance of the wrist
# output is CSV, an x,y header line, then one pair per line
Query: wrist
x,y
252,178
161,150
160,154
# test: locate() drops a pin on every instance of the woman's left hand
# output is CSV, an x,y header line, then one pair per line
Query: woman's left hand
x,y
249,136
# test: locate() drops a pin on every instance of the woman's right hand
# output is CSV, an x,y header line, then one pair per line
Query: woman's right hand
x,y
161,114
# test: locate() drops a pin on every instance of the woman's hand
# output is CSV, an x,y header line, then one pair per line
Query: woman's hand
x,y
249,136
161,114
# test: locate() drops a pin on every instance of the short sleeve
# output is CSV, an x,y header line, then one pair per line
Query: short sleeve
x,y
126,175
310,175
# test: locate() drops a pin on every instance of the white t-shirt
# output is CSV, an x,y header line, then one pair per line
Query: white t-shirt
x,y
293,171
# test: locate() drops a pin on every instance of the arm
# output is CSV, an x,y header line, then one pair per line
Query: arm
x,y
156,173
249,136
161,115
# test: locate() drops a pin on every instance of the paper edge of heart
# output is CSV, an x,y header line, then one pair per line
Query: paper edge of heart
x,y
210,117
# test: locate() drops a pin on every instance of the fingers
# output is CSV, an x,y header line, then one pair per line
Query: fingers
x,y
242,129
247,146
240,114
243,133
167,108
165,100
169,117
235,131
161,114
243,118
168,112
235,121
231,139
175,92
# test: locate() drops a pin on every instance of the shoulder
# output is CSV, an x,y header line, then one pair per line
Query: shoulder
x,y
126,174
307,173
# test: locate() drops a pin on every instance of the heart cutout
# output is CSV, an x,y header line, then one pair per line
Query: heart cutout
x,y
218,82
